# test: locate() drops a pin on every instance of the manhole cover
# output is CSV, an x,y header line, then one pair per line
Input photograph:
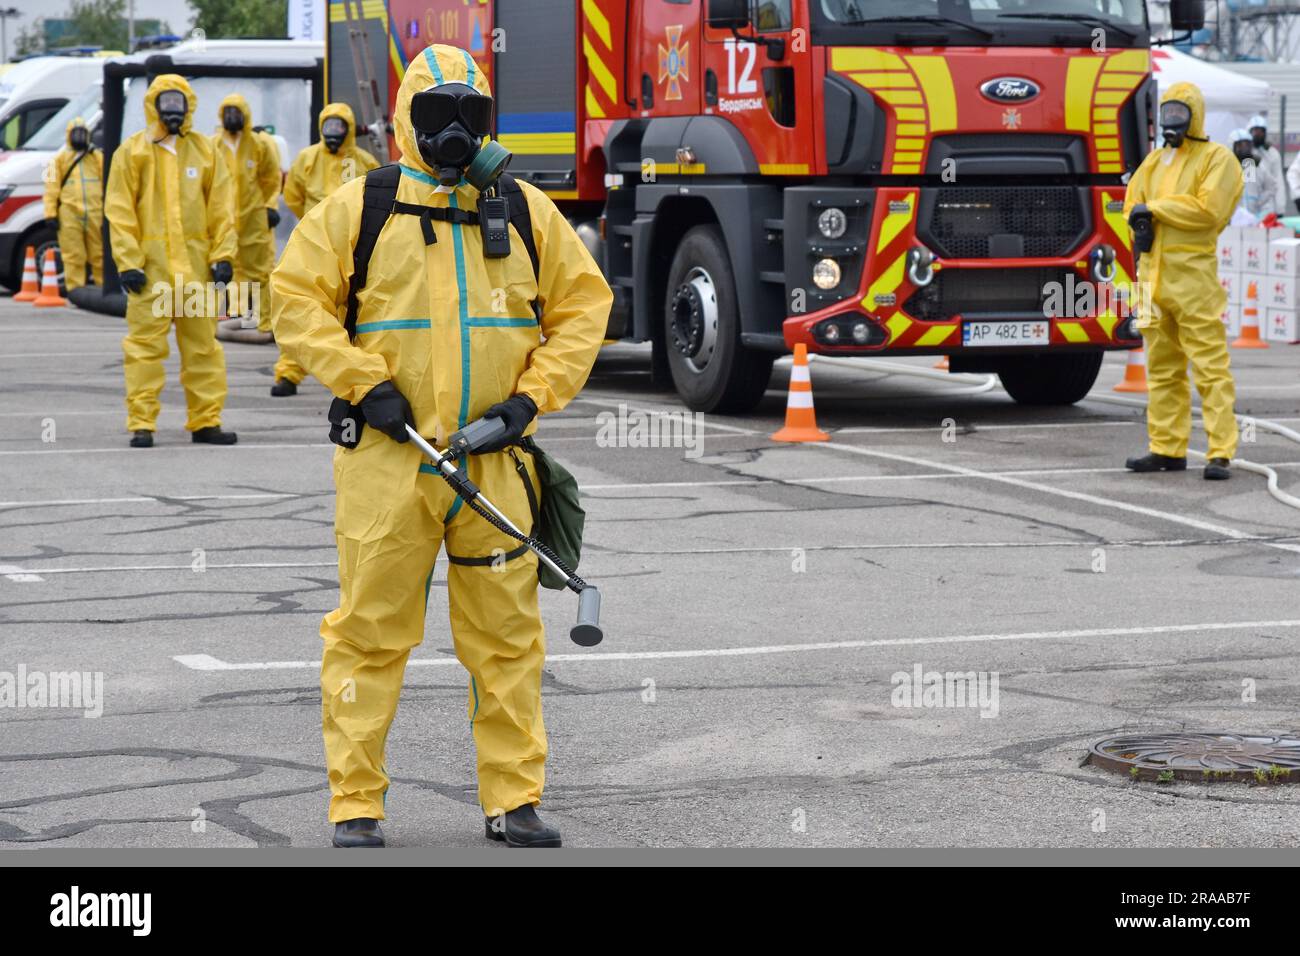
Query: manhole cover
x,y
1203,757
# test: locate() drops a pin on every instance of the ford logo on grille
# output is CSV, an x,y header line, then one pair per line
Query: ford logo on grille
x,y
1010,89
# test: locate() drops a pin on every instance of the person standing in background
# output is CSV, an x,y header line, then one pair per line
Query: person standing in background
x,y
74,205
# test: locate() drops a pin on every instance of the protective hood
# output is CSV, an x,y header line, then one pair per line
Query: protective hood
x,y
343,112
75,124
1239,136
234,99
437,65
167,81
1190,94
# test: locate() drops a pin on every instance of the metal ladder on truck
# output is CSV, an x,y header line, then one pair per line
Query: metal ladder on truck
x,y
373,117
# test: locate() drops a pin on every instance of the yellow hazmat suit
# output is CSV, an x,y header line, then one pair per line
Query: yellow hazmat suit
x,y
1191,191
74,195
456,333
316,173
252,161
171,214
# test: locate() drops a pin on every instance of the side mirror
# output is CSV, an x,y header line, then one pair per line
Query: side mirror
x,y
1186,16
728,14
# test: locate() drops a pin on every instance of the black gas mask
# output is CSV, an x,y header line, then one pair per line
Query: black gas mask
x,y
450,122
1244,150
172,107
232,119
79,138
1175,121
1259,136
333,132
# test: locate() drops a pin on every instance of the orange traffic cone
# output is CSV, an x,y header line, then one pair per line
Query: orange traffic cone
x,y
50,284
1250,320
800,418
1135,373
28,293
942,364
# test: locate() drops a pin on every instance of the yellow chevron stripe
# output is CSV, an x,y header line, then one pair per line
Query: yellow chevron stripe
x,y
594,109
898,324
1080,78
1110,97
370,10
899,96
783,169
1107,323
887,282
1118,81
885,81
937,335
906,114
940,95
850,59
1073,331
599,71
599,22
1132,61
894,223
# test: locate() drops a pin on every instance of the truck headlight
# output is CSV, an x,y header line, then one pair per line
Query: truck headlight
x,y
832,223
826,274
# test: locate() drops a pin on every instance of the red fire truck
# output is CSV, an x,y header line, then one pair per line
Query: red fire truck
x,y
907,177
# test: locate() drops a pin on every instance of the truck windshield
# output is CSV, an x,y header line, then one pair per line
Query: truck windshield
x,y
982,21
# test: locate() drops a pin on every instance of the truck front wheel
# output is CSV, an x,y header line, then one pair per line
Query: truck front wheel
x,y
1060,379
712,370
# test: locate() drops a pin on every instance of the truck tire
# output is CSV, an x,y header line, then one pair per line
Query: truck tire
x,y
1061,379
712,370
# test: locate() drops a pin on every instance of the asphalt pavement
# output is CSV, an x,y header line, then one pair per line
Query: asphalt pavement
x,y
767,608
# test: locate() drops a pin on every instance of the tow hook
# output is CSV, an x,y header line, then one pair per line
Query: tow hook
x,y
920,266
1101,264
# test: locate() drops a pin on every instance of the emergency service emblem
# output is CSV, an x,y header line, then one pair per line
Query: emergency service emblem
x,y
674,63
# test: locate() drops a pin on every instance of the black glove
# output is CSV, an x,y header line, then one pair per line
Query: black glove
x,y
388,410
222,272
133,280
273,217
517,412
1142,221
52,222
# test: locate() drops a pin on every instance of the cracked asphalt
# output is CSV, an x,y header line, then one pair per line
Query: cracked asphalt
x,y
759,602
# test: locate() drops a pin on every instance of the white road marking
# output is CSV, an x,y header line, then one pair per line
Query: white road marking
x,y
1207,526
178,446
159,499
12,572
205,662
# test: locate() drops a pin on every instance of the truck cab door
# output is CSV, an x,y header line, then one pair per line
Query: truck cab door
x,y
763,85
669,78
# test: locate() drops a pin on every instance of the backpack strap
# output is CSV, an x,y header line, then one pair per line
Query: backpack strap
x,y
376,206
521,217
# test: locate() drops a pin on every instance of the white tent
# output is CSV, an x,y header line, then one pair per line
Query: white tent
x,y
1230,98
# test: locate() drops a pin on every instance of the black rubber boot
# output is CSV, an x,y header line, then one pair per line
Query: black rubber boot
x,y
1153,462
521,827
213,435
360,832
283,388
142,439
1217,469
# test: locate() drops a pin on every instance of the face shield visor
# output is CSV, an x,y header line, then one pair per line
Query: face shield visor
x,y
1175,121
172,107
232,119
79,138
333,132
450,122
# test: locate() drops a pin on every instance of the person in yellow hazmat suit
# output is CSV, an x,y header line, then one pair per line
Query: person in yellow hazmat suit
x,y
74,205
317,171
170,214
252,161
444,334
1178,201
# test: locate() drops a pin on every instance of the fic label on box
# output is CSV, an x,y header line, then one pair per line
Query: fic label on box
x,y
1283,325
1284,258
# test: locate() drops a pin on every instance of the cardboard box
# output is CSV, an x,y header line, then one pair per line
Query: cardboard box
x,y
1284,258
1254,246
1283,325
1280,292
1230,250
1231,283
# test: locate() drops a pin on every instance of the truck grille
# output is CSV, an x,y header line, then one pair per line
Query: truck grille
x,y
975,222
988,293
